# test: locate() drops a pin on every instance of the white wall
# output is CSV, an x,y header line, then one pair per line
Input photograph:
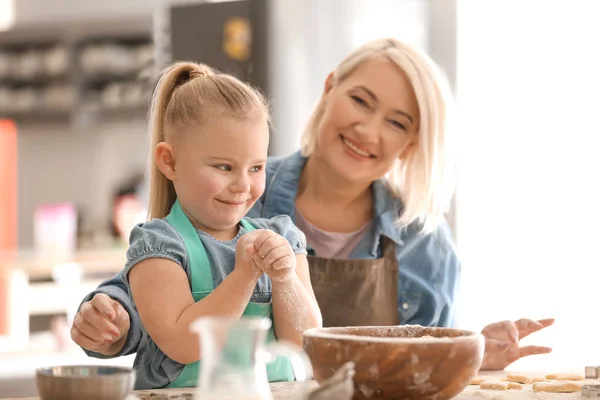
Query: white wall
x,y
58,163
310,37
527,199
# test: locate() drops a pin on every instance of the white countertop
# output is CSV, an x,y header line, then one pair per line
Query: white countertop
x,y
42,352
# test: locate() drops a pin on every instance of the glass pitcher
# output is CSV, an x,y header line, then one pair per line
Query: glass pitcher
x,y
234,358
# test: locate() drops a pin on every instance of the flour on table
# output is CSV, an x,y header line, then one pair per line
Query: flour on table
x,y
526,393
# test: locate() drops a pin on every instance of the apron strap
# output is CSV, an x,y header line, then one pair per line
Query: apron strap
x,y
202,279
199,263
247,225
280,369
388,247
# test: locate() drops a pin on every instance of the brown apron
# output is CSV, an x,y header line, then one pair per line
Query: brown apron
x,y
357,292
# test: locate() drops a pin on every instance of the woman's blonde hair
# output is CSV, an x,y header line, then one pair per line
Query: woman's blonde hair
x,y
423,180
188,93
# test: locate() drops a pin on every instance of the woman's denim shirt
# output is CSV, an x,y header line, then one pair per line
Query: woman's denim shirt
x,y
429,269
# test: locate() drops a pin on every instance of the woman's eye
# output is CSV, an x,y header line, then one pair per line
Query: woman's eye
x,y
399,125
359,101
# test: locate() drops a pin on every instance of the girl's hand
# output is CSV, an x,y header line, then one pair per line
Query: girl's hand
x,y
273,255
100,323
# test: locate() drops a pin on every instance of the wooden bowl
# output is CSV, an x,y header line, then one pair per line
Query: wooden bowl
x,y
89,382
398,362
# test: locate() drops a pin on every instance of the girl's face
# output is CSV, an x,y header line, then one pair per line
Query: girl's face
x,y
370,119
219,171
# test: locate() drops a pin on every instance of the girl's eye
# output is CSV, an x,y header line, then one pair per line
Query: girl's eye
x,y
224,167
256,168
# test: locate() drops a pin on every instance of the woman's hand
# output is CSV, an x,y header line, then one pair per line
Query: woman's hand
x,y
502,342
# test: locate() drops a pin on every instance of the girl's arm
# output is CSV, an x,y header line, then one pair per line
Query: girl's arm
x,y
295,307
162,295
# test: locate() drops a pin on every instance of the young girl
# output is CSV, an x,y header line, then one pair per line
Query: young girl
x,y
197,256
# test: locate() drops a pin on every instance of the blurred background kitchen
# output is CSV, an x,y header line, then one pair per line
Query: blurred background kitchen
x,y
75,80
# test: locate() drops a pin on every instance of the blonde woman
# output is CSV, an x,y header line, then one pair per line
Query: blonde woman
x,y
369,189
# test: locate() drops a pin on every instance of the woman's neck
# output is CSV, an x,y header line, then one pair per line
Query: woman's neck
x,y
331,202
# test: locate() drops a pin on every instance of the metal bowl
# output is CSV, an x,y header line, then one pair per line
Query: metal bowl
x,y
90,382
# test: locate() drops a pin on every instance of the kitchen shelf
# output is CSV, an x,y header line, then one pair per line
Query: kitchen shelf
x,y
104,261
103,79
44,80
112,66
35,116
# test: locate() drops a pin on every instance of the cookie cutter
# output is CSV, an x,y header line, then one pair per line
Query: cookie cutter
x,y
591,391
592,372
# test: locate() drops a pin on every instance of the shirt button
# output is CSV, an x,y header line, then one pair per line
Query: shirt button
x,y
405,306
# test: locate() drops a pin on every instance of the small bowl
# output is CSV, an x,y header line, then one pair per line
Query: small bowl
x,y
90,382
398,362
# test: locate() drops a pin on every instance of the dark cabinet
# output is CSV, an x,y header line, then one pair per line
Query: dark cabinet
x,y
230,36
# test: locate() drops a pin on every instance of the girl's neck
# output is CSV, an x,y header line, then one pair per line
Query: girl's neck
x,y
221,235
224,235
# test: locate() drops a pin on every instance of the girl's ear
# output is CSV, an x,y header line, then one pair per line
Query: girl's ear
x,y
164,154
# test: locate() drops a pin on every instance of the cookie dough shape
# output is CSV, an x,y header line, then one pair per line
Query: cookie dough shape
x,y
557,387
494,384
515,386
518,378
564,377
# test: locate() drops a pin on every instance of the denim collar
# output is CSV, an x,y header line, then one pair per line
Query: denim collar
x,y
282,187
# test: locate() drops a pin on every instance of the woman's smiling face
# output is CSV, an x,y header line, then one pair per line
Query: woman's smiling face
x,y
369,120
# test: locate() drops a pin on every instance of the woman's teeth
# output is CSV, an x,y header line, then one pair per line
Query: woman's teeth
x,y
355,149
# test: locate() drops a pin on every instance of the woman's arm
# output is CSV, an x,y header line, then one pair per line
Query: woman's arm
x,y
295,307
428,280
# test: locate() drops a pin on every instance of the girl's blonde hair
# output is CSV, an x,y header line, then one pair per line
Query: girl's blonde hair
x,y
424,180
188,93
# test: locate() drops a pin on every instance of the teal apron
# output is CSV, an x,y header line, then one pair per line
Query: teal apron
x,y
202,285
